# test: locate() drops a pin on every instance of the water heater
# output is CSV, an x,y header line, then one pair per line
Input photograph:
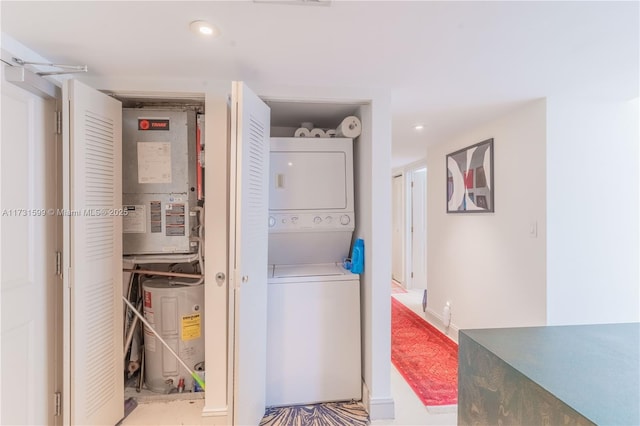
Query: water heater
x,y
159,180
176,312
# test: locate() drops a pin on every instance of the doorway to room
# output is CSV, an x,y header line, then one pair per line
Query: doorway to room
x,y
409,228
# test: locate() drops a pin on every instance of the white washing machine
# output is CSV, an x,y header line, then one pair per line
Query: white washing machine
x,y
313,337
313,328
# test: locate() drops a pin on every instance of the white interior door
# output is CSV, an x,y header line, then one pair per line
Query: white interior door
x,y
419,229
397,242
92,232
30,288
250,129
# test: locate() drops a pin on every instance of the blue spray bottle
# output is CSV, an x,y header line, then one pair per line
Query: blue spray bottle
x,y
357,257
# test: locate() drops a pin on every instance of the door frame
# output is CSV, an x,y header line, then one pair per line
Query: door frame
x,y
51,96
402,201
408,208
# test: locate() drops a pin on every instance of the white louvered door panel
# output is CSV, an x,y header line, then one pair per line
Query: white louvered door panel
x,y
92,164
250,131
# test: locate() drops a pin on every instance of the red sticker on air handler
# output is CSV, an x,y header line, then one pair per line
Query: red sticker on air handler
x,y
153,124
147,299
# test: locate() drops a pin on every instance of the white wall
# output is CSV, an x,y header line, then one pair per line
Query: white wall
x,y
592,212
487,264
373,205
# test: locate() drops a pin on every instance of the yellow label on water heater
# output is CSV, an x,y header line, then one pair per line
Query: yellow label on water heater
x,y
191,326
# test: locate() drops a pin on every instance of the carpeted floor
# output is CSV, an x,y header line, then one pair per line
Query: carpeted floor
x,y
427,359
327,414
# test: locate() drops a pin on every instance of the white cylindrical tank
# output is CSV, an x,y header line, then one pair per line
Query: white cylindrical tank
x,y
176,312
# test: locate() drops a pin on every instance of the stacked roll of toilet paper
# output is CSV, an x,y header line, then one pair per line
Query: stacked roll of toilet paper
x,y
317,133
349,128
303,132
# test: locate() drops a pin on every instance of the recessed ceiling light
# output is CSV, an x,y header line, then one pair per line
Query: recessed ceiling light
x,y
418,127
204,28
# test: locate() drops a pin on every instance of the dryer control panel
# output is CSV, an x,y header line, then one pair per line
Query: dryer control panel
x,y
320,221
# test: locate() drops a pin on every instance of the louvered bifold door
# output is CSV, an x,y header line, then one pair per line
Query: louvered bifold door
x,y
92,199
250,131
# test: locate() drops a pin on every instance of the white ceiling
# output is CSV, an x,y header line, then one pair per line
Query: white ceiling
x,y
447,65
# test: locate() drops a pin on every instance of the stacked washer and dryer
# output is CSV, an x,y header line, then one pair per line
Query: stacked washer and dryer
x,y
313,327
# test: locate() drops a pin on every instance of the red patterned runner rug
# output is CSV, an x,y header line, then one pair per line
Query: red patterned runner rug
x,y
426,358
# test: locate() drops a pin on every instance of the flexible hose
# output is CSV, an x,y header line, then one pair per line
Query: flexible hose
x,y
162,273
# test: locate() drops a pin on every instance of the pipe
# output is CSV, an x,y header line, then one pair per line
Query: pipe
x,y
162,273
166,345
199,153
200,211
132,329
162,258
129,287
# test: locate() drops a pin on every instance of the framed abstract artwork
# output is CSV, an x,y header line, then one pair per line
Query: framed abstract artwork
x,y
470,179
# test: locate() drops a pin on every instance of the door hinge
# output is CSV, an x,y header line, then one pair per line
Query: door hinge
x,y
412,184
58,263
57,402
412,275
58,122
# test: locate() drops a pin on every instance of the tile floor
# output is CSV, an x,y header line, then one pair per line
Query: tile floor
x,y
408,408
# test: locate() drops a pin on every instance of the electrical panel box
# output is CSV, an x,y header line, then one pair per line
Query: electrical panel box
x,y
159,180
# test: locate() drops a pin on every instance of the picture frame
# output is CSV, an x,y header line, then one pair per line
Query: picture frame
x,y
470,183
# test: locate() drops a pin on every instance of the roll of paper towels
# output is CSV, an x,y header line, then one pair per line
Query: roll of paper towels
x,y
307,125
317,133
330,133
349,128
302,132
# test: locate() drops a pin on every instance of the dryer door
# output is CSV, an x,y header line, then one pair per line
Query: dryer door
x,y
308,180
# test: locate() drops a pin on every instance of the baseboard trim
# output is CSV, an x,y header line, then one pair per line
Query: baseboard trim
x,y
442,409
214,412
215,417
382,409
378,408
436,320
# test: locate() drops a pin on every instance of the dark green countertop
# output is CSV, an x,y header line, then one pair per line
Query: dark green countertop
x,y
594,369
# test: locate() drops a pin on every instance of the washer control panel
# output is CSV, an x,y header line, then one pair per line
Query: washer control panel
x,y
310,221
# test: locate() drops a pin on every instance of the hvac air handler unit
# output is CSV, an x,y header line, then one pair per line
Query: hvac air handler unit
x,y
159,186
